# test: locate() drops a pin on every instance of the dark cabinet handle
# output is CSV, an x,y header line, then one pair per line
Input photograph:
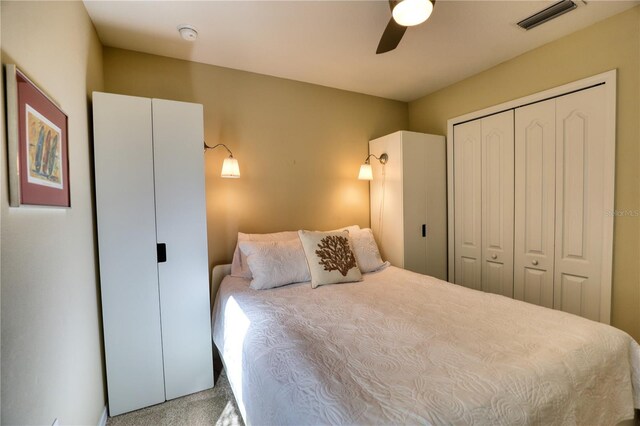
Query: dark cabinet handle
x,y
162,252
424,229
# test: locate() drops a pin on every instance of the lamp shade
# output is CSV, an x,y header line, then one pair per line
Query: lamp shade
x,y
230,168
412,12
365,172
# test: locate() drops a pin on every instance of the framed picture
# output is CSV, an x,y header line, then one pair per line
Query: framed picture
x,y
38,147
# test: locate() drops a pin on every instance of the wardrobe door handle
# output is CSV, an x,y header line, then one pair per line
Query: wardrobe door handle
x,y
494,256
535,262
162,252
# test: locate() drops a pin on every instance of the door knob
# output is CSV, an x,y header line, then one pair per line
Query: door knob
x,y
535,262
494,256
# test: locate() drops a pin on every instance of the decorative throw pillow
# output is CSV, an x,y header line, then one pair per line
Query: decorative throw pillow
x,y
366,251
239,267
275,263
330,257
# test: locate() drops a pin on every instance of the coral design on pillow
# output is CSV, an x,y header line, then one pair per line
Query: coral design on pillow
x,y
336,255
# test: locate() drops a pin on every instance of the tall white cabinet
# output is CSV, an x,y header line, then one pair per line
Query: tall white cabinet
x,y
149,178
408,201
532,187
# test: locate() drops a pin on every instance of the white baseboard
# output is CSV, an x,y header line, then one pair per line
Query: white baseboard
x,y
103,417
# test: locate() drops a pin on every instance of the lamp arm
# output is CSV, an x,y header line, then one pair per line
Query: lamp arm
x,y
382,159
206,147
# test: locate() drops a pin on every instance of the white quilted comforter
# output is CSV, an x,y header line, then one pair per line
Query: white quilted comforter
x,y
404,348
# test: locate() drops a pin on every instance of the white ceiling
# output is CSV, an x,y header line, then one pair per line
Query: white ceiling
x,y
333,43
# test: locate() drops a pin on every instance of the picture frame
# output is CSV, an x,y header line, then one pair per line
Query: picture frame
x,y
37,144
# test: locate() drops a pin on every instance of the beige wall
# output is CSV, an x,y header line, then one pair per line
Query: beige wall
x,y
51,333
612,43
299,145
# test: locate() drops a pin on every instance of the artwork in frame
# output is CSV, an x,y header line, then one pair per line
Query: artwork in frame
x,y
37,145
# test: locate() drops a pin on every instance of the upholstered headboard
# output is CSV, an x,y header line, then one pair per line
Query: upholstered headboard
x,y
217,274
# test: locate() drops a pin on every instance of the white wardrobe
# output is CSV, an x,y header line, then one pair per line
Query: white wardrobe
x,y
152,238
532,188
408,201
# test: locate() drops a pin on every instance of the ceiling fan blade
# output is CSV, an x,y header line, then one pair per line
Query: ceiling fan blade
x,y
391,37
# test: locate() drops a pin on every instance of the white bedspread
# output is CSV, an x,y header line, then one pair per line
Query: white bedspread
x,y
403,348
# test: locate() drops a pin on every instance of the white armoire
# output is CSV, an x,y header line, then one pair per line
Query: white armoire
x,y
408,201
152,243
532,200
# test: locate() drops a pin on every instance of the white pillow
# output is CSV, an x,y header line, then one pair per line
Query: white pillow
x,y
330,257
366,250
275,263
239,267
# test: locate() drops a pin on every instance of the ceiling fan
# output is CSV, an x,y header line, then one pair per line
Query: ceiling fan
x,y
404,13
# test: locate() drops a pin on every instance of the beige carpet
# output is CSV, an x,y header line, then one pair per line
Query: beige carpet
x,y
215,406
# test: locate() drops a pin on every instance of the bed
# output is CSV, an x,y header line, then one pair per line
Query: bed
x,y
404,348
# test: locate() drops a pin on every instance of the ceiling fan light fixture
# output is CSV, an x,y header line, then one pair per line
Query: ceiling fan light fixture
x,y
412,12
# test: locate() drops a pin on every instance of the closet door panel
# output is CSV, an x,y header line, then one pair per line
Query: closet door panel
x,y
494,280
535,139
181,224
123,154
536,287
497,203
580,131
467,204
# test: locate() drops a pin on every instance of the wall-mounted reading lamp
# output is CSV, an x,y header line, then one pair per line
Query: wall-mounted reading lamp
x,y
365,170
230,167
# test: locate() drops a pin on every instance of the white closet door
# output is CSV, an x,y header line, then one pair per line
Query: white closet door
x,y
535,146
181,225
497,203
580,155
467,203
127,238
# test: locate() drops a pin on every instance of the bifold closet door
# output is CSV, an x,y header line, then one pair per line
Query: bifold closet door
x,y
535,168
181,225
483,203
468,204
497,203
530,214
123,153
580,163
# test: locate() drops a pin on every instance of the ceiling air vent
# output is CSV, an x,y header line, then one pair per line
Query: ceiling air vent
x,y
551,12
